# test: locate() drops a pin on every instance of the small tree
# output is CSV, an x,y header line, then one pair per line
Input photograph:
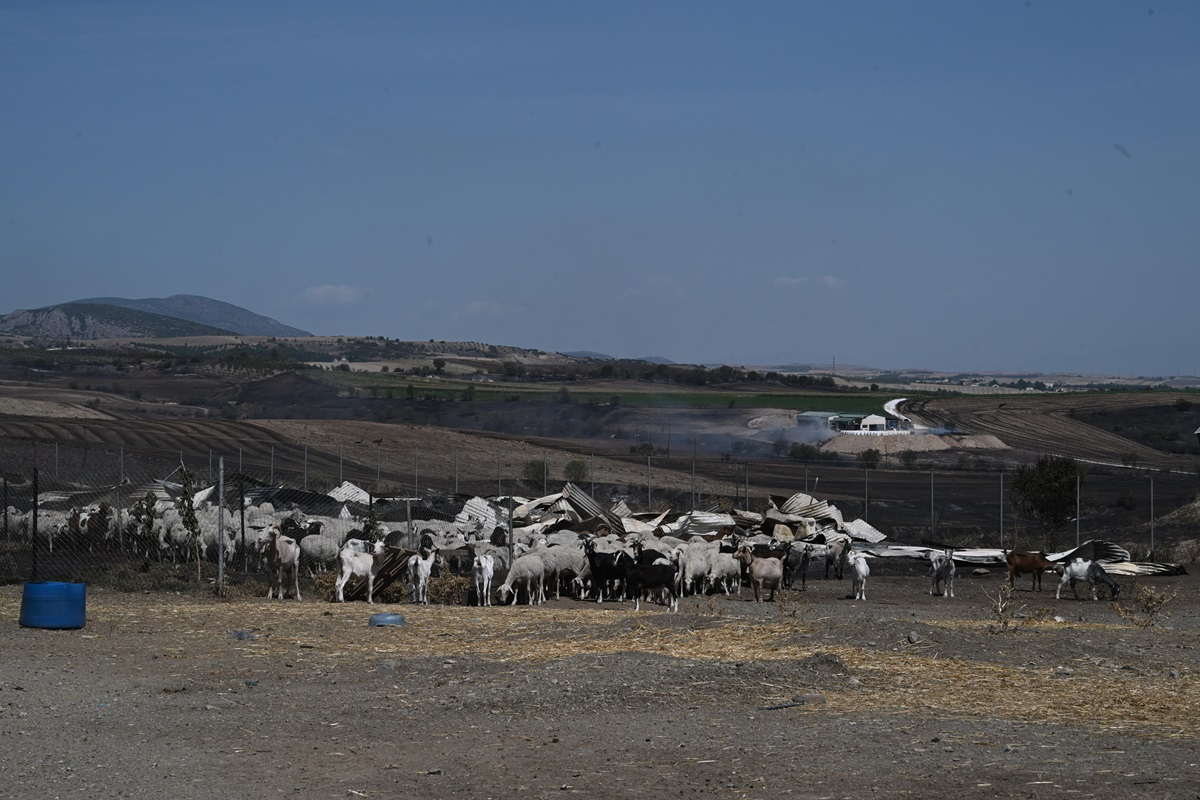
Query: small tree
x,y
371,527
439,365
1046,492
576,471
187,515
908,458
870,458
533,472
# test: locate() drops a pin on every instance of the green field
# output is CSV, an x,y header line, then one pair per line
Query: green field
x,y
624,393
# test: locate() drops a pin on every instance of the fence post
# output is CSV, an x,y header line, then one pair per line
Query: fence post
x,y
117,519
242,513
34,532
932,521
866,495
1001,511
220,525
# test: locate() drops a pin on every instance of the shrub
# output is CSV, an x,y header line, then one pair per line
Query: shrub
x,y
576,471
533,472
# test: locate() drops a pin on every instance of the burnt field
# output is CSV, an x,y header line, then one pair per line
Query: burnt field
x,y
815,695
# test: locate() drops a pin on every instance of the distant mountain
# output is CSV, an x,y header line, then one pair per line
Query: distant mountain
x,y
205,311
86,321
149,318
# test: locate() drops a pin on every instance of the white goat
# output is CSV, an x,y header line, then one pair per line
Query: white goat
x,y
482,569
283,556
419,569
1083,570
941,569
355,560
858,566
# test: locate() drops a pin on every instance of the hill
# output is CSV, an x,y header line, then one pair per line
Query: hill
x,y
206,311
90,321
179,315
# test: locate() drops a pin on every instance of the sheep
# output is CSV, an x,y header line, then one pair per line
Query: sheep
x,y
941,569
354,560
695,565
560,561
482,569
283,555
530,570
765,573
859,572
320,550
725,570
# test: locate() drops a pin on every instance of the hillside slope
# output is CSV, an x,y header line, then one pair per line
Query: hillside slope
x,y
206,311
90,321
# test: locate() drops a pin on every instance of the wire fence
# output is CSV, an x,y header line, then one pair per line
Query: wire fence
x,y
90,513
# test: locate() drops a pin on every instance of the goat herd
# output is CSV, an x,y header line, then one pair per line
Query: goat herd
x,y
543,558
602,566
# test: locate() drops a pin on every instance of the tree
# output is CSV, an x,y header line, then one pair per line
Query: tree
x,y
533,472
576,471
908,458
439,364
1045,491
187,515
870,458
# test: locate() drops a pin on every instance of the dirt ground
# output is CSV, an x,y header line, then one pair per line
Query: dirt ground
x,y
813,696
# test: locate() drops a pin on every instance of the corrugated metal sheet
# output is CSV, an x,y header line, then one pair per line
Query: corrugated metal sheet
x,y
863,531
479,514
697,523
350,493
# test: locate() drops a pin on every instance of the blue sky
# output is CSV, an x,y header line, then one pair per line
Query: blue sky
x,y
958,186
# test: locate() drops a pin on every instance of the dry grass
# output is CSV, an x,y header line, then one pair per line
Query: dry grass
x,y
337,637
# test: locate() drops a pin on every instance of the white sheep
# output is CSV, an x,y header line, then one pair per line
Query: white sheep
x,y
724,570
529,570
561,561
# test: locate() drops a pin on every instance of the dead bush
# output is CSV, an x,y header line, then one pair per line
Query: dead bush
x,y
1145,606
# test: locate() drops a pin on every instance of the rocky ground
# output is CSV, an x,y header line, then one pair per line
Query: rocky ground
x,y
815,695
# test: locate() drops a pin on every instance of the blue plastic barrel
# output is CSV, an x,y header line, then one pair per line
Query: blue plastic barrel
x,y
52,604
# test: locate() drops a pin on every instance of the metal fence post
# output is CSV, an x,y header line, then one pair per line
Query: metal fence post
x,y
220,589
